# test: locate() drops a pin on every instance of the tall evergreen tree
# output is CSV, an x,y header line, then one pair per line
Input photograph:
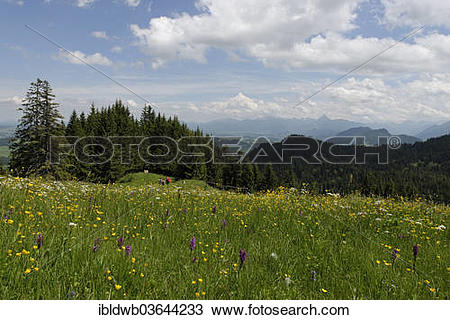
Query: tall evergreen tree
x,y
41,120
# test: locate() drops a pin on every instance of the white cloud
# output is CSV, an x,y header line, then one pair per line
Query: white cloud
x,y
94,59
132,103
415,12
99,34
236,24
304,35
116,49
84,3
427,97
364,100
133,3
15,100
237,107
333,52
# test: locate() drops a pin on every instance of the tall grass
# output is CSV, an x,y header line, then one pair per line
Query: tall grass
x,y
299,246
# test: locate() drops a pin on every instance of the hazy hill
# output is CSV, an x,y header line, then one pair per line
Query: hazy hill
x,y
372,135
435,131
277,128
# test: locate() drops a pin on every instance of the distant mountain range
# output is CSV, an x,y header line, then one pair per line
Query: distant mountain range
x,y
278,128
435,131
371,136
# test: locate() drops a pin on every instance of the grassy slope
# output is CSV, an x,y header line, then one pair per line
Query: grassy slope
x,y
347,242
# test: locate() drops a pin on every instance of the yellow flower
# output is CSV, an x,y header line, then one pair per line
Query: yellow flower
x,y
205,259
432,289
36,269
141,275
197,294
200,280
194,282
108,271
203,293
109,278
378,261
448,269
133,260
118,287
28,271
324,291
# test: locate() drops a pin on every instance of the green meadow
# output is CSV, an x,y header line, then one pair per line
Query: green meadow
x,y
138,239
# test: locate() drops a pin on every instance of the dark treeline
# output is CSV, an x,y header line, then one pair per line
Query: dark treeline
x,y
422,169
117,121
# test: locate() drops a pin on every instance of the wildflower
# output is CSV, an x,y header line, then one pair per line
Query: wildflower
x,y
194,260
415,251
432,289
117,287
224,224
128,250
95,248
120,242
274,256
287,281
214,209
324,290
197,295
133,260
395,254
242,256
313,275
200,280
27,271
192,244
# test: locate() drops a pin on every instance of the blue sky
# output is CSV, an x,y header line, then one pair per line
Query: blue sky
x,y
211,59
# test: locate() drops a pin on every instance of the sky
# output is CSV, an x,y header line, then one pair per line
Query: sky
x,y
204,60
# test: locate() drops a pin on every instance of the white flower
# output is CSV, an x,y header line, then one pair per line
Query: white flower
x,y
71,224
287,280
274,256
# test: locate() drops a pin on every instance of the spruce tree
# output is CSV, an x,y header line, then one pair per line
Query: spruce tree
x,y
41,120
